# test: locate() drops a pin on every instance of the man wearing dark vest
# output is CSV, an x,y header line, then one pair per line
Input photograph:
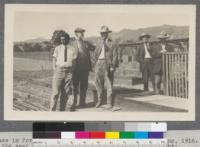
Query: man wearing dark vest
x,y
144,57
105,61
82,68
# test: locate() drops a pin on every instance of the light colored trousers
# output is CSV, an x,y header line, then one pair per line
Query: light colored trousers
x,y
103,76
61,87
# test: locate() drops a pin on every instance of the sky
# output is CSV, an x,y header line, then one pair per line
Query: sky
x,y
30,24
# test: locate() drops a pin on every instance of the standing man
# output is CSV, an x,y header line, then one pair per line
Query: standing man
x,y
161,48
83,66
144,57
63,62
105,63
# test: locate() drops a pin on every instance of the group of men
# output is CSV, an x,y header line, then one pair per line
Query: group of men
x,y
72,64
150,59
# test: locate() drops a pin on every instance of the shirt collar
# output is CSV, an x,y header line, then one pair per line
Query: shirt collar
x,y
79,40
61,45
105,40
146,44
163,44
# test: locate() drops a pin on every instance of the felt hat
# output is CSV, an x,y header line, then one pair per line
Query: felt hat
x,y
79,30
105,29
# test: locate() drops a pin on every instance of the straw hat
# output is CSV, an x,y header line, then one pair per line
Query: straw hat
x,y
163,35
144,35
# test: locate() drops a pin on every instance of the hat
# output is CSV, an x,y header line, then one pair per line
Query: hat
x,y
163,35
105,29
144,35
79,30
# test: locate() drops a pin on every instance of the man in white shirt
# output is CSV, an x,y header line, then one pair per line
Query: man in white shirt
x,y
144,57
63,62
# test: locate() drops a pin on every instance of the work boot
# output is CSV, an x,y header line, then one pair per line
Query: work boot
x,y
98,104
53,105
116,108
107,106
53,108
82,105
72,109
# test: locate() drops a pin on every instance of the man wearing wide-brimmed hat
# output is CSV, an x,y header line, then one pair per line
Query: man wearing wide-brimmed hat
x,y
63,62
105,62
144,57
82,68
161,48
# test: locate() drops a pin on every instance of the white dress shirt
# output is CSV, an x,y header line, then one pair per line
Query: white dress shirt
x,y
102,54
59,54
147,54
163,47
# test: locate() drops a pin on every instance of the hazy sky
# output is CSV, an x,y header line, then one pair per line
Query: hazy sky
x,y
34,24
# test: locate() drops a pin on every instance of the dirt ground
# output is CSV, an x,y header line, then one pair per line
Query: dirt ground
x,y
33,82
32,92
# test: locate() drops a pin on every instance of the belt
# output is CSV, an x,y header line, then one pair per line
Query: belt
x,y
68,68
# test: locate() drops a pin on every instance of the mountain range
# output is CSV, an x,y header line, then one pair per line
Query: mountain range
x,y
129,35
123,36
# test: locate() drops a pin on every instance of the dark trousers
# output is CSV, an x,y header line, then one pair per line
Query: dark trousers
x,y
61,87
103,76
80,84
147,72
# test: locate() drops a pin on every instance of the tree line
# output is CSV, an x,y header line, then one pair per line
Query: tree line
x,y
32,46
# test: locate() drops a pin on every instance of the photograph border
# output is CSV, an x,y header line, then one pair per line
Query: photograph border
x,y
9,114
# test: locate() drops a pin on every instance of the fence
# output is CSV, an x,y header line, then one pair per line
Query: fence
x,y
175,74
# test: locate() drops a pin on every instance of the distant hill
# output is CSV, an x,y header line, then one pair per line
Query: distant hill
x,y
38,44
36,40
129,35
123,36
